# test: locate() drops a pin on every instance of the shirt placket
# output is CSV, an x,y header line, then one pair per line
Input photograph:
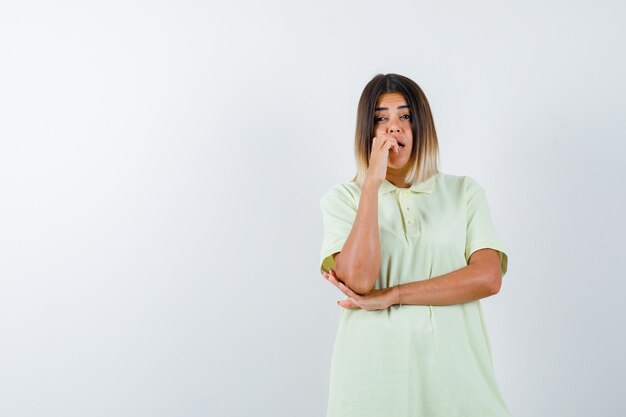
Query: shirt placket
x,y
409,214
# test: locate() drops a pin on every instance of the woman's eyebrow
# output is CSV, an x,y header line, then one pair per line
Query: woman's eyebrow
x,y
405,106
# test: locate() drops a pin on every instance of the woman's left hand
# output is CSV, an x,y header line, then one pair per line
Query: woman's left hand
x,y
373,300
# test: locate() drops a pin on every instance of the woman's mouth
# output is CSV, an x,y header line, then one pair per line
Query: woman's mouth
x,y
400,143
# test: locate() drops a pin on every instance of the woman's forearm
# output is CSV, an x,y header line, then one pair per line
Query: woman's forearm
x,y
469,283
358,263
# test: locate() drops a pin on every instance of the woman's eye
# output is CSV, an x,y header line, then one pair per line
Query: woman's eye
x,y
381,118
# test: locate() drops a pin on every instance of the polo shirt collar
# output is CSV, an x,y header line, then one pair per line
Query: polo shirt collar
x,y
421,187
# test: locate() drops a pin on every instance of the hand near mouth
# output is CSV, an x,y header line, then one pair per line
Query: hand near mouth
x,y
381,145
401,140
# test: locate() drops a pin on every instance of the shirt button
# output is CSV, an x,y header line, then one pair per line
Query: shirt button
x,y
410,221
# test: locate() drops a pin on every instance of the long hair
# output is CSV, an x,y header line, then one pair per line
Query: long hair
x,y
423,162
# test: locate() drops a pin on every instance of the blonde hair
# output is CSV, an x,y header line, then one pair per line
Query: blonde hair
x,y
425,152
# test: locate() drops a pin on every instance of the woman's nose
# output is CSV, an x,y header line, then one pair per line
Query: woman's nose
x,y
393,125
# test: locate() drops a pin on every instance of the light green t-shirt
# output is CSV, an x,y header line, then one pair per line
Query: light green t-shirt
x,y
414,360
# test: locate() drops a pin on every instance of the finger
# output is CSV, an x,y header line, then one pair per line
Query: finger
x,y
394,145
333,279
334,282
391,143
329,274
332,274
343,287
346,290
347,304
380,143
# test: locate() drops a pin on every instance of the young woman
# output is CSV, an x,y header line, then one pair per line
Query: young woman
x,y
413,250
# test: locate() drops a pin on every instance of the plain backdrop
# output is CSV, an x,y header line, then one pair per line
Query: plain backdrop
x,y
161,165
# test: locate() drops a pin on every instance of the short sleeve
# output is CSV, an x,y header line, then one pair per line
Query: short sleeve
x,y
338,215
481,232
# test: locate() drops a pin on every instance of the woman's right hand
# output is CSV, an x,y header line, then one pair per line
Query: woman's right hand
x,y
377,169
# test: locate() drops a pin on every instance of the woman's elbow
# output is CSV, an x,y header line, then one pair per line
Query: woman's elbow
x,y
364,288
495,281
357,279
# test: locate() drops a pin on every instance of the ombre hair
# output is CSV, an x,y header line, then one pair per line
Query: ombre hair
x,y
423,162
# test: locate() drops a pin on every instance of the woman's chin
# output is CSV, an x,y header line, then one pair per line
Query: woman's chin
x,y
401,164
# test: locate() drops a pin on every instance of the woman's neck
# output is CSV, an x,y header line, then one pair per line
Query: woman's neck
x,y
396,177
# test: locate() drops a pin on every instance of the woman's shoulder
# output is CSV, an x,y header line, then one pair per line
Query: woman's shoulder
x,y
455,180
348,192
461,186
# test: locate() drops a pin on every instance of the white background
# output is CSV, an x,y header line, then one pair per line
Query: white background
x,y
161,165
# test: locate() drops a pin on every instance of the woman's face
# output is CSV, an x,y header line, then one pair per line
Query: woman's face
x,y
393,118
